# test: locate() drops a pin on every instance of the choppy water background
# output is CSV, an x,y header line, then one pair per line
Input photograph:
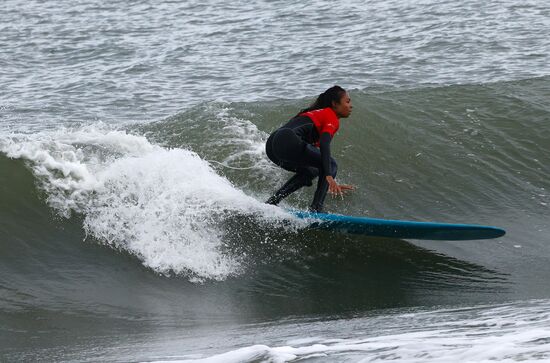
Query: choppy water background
x,y
88,60
122,238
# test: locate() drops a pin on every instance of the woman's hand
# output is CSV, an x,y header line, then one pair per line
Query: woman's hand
x,y
335,189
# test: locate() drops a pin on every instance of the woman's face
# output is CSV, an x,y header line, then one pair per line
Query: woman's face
x,y
343,107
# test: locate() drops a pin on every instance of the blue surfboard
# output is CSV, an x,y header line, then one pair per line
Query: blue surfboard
x,y
398,229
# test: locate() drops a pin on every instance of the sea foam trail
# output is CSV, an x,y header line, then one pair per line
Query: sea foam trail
x,y
505,333
162,205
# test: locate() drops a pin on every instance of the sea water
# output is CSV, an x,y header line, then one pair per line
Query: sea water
x,y
133,175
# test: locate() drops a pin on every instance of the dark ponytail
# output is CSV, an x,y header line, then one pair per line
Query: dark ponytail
x,y
325,99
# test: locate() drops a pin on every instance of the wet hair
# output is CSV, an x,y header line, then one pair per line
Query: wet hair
x,y
325,99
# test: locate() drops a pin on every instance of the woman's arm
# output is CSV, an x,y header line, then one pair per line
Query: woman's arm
x,y
333,187
324,146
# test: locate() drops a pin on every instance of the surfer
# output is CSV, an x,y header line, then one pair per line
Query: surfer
x,y
302,146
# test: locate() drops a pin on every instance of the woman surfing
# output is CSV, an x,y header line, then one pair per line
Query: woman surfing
x,y
302,146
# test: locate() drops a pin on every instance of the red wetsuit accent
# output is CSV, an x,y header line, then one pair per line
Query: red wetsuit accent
x,y
325,120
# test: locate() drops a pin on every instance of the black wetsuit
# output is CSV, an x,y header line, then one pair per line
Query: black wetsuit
x,y
292,148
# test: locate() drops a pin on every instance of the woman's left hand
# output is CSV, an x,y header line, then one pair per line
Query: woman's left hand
x,y
335,189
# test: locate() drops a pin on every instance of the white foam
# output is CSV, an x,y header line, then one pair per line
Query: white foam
x,y
162,205
245,143
507,333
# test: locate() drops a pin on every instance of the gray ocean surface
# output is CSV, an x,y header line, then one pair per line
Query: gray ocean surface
x,y
132,175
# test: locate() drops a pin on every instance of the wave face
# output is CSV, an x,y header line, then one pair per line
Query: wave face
x,y
168,192
104,222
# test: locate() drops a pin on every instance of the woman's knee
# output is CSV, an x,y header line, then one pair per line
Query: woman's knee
x,y
286,145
